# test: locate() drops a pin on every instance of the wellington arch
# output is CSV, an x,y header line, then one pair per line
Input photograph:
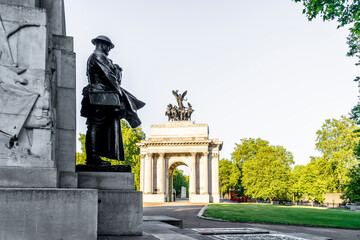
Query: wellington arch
x,y
180,143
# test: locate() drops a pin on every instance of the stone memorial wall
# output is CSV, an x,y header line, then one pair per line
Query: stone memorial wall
x,y
37,103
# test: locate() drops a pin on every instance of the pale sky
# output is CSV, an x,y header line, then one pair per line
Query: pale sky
x,y
253,68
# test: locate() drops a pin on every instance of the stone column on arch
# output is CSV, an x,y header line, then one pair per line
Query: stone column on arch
x,y
148,174
193,174
142,171
161,173
215,173
204,168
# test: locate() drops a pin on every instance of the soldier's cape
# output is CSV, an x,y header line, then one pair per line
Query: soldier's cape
x,y
112,75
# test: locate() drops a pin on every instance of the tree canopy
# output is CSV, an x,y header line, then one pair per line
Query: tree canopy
x,y
264,171
308,181
229,176
336,141
179,180
265,168
352,187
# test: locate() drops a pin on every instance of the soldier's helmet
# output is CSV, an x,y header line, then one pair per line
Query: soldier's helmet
x,y
104,39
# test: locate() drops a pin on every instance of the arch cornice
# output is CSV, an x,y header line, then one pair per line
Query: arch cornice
x,y
178,143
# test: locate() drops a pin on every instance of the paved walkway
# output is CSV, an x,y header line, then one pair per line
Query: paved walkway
x,y
186,211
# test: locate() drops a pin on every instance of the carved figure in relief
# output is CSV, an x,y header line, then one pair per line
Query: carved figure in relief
x,y
16,101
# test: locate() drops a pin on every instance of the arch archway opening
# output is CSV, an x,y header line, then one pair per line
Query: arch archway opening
x,y
178,182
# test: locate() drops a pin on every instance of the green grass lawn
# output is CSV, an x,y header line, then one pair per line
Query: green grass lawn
x,y
266,213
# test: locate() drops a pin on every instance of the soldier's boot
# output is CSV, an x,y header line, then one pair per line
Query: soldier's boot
x,y
92,157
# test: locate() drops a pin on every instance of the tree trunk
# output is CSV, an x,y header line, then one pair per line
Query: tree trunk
x,y
294,199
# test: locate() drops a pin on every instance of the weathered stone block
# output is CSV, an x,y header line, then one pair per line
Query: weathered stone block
x,y
43,214
60,42
25,3
17,13
106,180
56,16
41,145
32,54
66,161
66,150
67,140
28,177
29,161
120,213
66,112
68,180
67,77
24,53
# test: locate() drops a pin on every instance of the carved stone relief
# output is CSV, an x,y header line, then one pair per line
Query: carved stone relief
x,y
25,126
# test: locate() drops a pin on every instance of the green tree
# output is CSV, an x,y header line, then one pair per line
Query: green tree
x,y
130,138
81,157
352,187
266,169
247,149
336,141
179,180
355,114
311,182
229,176
297,188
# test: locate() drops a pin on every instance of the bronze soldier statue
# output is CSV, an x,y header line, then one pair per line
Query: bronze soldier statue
x,y
104,104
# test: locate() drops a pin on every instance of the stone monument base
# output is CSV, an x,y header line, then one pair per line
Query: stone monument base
x,y
120,213
120,209
45,213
